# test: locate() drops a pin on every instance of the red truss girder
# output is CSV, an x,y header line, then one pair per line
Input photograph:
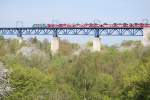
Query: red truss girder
x,y
141,25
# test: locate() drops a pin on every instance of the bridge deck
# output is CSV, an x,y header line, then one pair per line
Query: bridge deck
x,y
77,29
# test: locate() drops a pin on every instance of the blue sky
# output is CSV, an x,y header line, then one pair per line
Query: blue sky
x,y
73,11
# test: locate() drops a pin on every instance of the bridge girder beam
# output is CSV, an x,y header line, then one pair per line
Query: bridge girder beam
x,y
73,31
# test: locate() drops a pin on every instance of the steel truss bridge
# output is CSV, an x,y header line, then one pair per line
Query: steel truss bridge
x,y
101,30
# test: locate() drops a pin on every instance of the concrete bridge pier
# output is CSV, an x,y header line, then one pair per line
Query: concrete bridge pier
x,y
20,40
19,35
55,42
146,37
96,42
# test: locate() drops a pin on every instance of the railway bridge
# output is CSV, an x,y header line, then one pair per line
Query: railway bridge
x,y
97,30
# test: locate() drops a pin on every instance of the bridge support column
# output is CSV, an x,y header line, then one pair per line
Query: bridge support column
x,y
20,40
55,45
146,37
55,42
96,44
19,35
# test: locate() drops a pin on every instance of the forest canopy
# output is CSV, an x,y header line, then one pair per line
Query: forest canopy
x,y
108,75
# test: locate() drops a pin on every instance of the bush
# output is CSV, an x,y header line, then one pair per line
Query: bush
x,y
30,84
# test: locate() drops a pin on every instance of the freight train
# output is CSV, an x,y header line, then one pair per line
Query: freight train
x,y
105,25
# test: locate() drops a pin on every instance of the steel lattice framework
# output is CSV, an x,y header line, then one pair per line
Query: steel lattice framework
x,y
73,31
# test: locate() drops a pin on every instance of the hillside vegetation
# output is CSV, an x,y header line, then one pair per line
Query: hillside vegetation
x,y
107,75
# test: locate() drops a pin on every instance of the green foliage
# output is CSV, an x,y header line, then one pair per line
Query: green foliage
x,y
130,43
67,48
137,80
8,46
30,84
108,75
89,44
1,37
